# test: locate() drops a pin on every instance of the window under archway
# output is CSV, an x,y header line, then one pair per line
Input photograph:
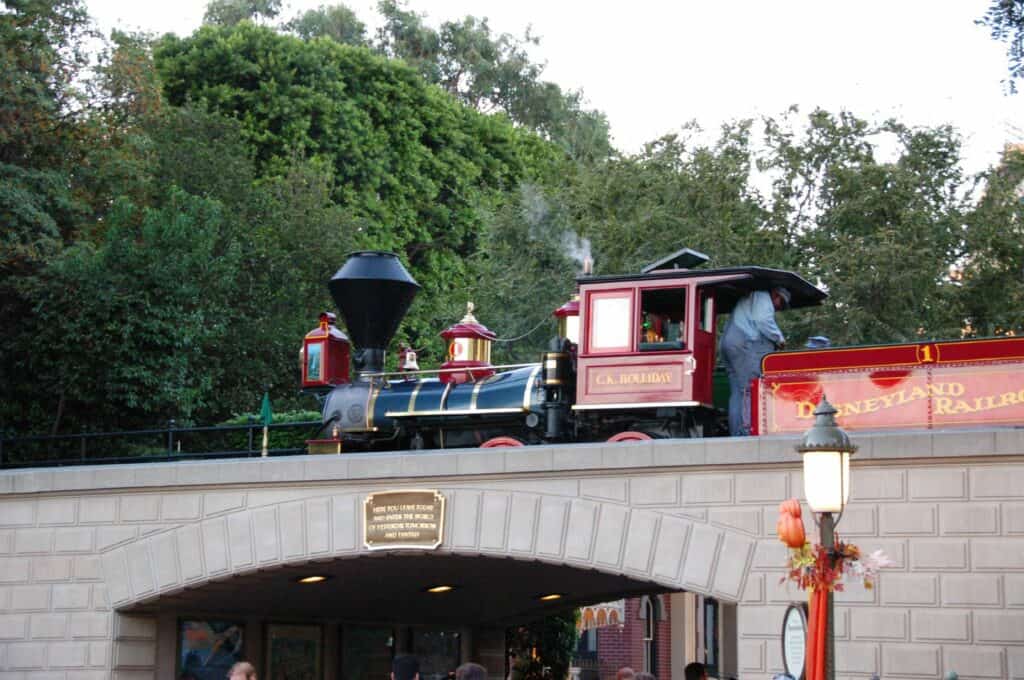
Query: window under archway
x,y
649,614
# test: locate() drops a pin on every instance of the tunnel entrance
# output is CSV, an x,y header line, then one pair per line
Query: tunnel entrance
x,y
354,614
394,588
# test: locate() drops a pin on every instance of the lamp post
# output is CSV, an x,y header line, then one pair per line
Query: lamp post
x,y
826,451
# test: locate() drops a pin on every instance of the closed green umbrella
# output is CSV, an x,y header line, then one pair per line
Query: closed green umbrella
x,y
267,416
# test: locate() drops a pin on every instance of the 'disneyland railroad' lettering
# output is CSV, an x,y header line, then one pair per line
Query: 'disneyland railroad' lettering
x,y
945,395
945,406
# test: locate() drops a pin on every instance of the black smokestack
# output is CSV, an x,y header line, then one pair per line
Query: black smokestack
x,y
373,291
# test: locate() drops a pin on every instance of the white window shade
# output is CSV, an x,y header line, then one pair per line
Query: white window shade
x,y
611,323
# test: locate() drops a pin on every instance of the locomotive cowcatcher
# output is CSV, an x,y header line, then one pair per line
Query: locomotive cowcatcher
x,y
633,360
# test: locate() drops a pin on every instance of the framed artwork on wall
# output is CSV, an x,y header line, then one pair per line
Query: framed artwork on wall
x,y
207,648
294,652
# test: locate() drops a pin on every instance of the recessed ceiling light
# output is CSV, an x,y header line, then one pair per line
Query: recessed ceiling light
x,y
549,598
313,578
440,589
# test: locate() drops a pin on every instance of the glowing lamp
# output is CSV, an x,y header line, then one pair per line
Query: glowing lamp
x,y
826,451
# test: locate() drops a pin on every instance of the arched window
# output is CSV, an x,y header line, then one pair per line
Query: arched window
x,y
649,614
711,647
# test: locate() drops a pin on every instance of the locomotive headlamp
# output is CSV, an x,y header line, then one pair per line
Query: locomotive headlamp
x,y
826,450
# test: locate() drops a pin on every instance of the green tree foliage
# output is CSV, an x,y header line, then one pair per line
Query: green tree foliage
x,y
37,210
231,12
126,89
881,236
553,638
297,238
493,73
677,192
336,22
177,214
148,309
411,167
41,55
1005,21
869,230
524,270
118,154
483,70
991,272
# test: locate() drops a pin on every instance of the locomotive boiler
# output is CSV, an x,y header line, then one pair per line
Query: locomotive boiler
x,y
467,402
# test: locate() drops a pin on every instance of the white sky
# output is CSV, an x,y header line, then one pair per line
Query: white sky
x,y
652,66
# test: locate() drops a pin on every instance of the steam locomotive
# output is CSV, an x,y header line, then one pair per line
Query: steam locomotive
x,y
633,360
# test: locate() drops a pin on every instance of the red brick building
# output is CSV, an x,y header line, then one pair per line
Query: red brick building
x,y
660,634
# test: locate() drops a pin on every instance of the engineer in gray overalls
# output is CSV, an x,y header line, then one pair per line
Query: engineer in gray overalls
x,y
750,334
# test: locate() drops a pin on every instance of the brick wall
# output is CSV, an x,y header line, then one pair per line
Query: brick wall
x,y
619,646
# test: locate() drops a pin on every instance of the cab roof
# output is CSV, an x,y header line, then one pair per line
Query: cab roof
x,y
730,283
684,258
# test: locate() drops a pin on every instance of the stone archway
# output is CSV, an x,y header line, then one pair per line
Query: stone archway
x,y
659,547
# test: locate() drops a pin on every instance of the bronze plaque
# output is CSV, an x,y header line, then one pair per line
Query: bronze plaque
x,y
403,519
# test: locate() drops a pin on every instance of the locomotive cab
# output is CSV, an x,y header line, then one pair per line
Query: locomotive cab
x,y
643,336
647,351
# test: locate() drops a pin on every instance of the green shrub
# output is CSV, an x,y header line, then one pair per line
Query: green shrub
x,y
278,438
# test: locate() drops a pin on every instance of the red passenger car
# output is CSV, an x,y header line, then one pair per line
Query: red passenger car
x,y
916,385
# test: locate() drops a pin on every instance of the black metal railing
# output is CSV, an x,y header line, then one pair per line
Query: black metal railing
x,y
155,445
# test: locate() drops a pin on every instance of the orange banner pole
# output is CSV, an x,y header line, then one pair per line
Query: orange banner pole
x,y
817,631
811,656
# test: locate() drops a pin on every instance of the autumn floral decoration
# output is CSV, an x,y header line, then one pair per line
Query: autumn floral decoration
x,y
811,567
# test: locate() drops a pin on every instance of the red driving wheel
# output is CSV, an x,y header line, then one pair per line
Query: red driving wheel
x,y
500,442
630,436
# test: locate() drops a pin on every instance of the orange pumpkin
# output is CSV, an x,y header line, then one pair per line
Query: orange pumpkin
x,y
790,507
791,530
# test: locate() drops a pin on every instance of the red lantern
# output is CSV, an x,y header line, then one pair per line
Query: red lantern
x,y
324,355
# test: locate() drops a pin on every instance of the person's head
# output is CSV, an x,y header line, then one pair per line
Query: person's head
x,y
470,671
695,671
243,670
781,298
405,667
626,673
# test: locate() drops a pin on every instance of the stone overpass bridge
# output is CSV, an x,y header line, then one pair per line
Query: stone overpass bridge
x,y
98,563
